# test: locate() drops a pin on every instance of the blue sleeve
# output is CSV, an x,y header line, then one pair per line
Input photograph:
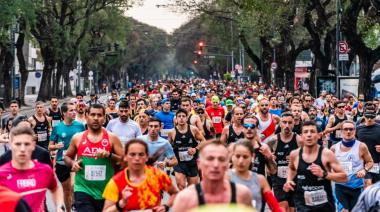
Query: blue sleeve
x,y
54,135
83,128
169,153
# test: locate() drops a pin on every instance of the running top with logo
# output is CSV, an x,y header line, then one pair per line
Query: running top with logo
x,y
166,119
31,183
42,131
63,133
145,195
182,143
56,116
336,135
208,133
232,136
258,165
370,136
266,128
95,172
216,115
281,154
351,163
312,192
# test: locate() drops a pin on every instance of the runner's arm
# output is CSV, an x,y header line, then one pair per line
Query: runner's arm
x,y
199,125
224,137
368,161
57,196
336,172
198,135
69,157
173,193
118,150
268,195
292,170
329,128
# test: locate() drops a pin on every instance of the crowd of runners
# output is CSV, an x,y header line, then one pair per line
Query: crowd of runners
x,y
198,142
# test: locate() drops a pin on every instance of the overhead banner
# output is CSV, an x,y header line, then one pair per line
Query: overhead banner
x,y
326,83
348,86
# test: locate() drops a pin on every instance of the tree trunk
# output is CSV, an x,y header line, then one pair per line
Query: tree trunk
x,y
22,65
6,68
58,75
49,65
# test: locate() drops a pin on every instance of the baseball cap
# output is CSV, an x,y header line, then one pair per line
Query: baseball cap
x,y
215,99
164,101
229,102
193,94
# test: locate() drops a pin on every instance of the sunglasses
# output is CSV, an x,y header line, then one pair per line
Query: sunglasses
x,y
340,107
250,126
349,129
201,112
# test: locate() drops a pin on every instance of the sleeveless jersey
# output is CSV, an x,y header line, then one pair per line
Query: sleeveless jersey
x,y
282,152
114,115
254,186
208,133
259,162
189,120
95,173
201,197
358,115
266,128
337,134
232,136
182,143
351,164
56,117
41,130
312,192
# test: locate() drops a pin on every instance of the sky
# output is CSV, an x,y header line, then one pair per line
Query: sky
x,y
160,17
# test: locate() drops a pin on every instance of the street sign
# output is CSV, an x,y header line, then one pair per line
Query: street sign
x,y
38,74
274,66
343,57
90,78
90,73
343,47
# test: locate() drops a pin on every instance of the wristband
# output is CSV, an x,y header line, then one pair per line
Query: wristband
x,y
118,207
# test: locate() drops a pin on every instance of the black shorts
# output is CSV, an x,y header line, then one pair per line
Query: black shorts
x,y
347,197
63,172
282,196
375,177
188,169
86,203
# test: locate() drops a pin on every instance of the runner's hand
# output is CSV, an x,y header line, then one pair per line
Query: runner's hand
x,y
76,166
316,170
289,186
361,173
102,154
191,151
125,194
59,145
160,208
161,164
264,149
377,148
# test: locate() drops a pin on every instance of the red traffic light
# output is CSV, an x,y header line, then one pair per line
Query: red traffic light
x,y
199,52
195,61
201,44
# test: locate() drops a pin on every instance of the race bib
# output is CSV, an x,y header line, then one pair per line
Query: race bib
x,y
375,168
184,156
253,202
347,167
216,119
282,171
165,132
42,136
338,134
313,198
95,172
54,122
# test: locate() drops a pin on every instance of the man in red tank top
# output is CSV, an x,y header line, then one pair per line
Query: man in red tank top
x,y
267,122
216,113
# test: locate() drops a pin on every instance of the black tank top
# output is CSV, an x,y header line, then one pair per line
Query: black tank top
x,y
41,130
282,152
56,116
336,135
114,115
312,192
208,134
232,136
259,162
189,120
145,132
201,196
358,115
182,143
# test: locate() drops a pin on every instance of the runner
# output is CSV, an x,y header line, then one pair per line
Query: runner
x,y
175,100
267,122
208,127
335,123
41,125
213,189
93,100
54,112
158,147
138,187
355,160
282,144
96,150
234,131
111,109
26,176
311,170
369,199
60,140
185,140
143,122
193,119
216,113
81,112
166,117
124,127
14,107
369,133
242,156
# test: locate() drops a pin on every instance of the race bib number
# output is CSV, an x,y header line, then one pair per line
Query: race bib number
x,y
165,132
338,134
42,136
216,119
375,168
95,172
282,171
347,167
54,122
313,198
184,156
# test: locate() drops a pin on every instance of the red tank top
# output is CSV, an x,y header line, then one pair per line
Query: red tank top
x,y
87,148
